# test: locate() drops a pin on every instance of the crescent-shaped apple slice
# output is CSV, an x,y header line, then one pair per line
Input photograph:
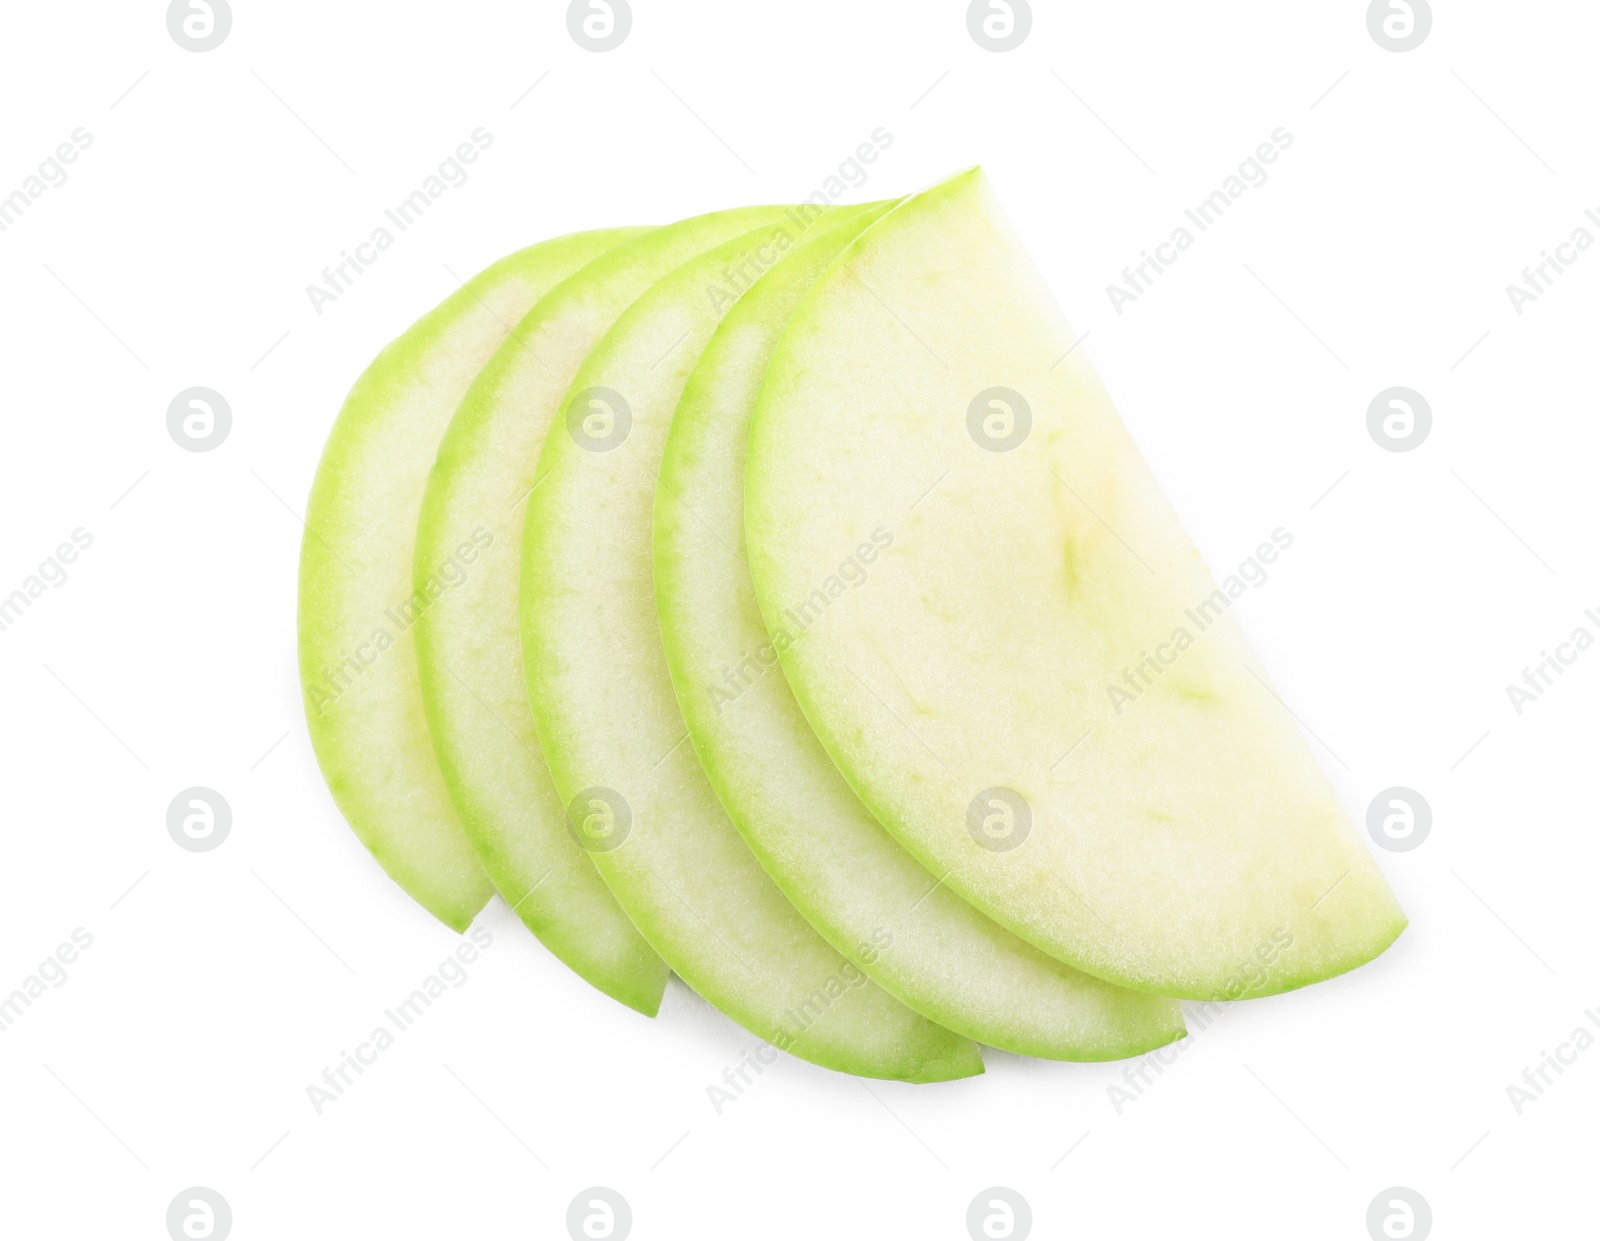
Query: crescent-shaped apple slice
x,y
1035,685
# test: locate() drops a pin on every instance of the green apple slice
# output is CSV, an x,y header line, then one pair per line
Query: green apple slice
x,y
358,610
469,646
609,726
1035,684
867,896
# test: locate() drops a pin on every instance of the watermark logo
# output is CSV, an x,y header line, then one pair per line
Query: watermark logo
x,y
850,575
1539,278
449,975
1537,1080
1399,819
199,419
598,419
999,419
599,819
999,25
51,174
51,573
999,1214
739,276
737,1078
451,173
1399,25
1147,670
199,1214
199,25
740,1076
851,174
342,676
1542,675
50,974
599,1213
1399,419
1250,974
1141,1075
1251,174
810,1010
999,819
1399,1214
199,819
599,25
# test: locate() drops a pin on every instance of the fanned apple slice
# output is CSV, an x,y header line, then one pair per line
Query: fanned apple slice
x,y
358,607
469,647
1035,685
609,725
867,896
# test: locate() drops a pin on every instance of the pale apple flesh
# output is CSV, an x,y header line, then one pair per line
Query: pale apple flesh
x,y
469,645
609,725
358,609
1037,687
865,894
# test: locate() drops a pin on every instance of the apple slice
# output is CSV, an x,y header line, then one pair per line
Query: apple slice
x,y
469,647
358,608
609,725
867,896
1034,684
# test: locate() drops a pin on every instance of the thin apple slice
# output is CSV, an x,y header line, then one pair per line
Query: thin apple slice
x,y
358,669
469,647
867,896
610,728
1036,685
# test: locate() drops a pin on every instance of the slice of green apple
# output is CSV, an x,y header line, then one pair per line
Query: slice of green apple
x,y
469,647
358,607
1035,684
609,726
867,896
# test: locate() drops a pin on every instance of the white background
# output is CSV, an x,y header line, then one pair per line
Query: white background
x,y
218,185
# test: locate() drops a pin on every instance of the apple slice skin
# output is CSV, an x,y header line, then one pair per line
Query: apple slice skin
x,y
865,894
1182,841
357,612
609,726
469,643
